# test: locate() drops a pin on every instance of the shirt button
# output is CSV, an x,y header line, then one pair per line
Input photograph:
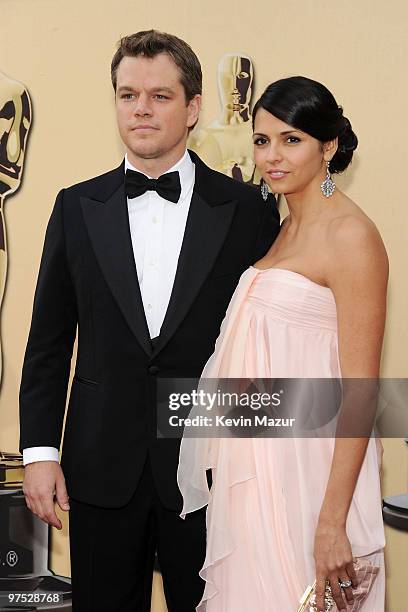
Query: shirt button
x,y
149,307
155,220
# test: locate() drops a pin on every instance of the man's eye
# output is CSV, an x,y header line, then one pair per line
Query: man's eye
x,y
260,141
126,96
161,97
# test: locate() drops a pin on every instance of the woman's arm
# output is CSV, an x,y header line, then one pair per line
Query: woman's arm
x,y
358,276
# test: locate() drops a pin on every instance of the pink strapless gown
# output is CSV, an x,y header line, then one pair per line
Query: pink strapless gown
x,y
266,494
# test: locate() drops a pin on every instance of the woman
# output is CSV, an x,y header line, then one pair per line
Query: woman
x,y
284,512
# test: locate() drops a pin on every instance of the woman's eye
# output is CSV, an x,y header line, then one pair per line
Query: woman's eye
x,y
292,139
260,141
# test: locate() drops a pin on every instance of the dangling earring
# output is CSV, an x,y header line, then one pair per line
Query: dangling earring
x,y
328,186
264,190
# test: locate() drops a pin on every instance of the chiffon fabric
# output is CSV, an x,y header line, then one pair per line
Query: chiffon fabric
x,y
266,495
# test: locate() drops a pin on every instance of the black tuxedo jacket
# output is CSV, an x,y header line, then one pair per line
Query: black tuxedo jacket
x,y
88,279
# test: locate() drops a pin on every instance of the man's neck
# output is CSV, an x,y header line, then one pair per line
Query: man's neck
x,y
156,166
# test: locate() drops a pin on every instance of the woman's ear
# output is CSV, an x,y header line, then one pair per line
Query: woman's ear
x,y
329,149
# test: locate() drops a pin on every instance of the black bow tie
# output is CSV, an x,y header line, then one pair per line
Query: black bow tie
x,y
167,185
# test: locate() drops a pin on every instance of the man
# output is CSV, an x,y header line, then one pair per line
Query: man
x,y
146,268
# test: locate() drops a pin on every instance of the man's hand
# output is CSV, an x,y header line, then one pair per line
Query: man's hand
x,y
43,480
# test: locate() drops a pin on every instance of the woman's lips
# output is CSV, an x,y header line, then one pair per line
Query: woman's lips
x,y
277,174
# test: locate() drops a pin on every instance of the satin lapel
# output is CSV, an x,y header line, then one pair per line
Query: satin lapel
x,y
109,232
206,229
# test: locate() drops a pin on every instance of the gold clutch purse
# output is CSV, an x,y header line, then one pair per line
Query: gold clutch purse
x,y
308,604
366,573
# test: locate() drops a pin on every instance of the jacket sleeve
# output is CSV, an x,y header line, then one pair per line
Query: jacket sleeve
x,y
52,334
268,228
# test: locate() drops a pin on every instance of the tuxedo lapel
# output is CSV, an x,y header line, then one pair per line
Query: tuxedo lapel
x,y
108,228
209,219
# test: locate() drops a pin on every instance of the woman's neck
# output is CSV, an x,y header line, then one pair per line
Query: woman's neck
x,y
309,205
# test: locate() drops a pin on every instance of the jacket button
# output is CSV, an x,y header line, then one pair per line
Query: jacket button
x,y
153,369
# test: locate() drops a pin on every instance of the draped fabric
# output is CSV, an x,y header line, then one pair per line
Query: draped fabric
x,y
266,494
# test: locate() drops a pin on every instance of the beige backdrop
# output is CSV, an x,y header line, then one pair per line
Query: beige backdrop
x,y
62,52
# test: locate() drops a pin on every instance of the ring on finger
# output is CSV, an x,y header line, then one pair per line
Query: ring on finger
x,y
345,584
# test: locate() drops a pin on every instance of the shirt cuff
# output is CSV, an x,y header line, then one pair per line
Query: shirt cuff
x,y
40,453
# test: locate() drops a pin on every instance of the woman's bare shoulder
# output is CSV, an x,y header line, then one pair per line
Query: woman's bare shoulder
x,y
354,239
349,224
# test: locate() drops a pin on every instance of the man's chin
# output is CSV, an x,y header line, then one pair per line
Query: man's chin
x,y
146,152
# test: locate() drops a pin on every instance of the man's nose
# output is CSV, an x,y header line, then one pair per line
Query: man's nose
x,y
143,105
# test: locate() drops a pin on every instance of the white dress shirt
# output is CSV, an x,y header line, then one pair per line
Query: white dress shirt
x,y
157,229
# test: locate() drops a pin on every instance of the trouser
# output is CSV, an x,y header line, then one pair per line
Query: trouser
x,y
113,552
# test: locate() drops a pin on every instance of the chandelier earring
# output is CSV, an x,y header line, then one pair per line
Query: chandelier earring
x,y
328,186
264,190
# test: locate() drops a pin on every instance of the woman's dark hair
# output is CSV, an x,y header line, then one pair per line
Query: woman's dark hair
x,y
310,107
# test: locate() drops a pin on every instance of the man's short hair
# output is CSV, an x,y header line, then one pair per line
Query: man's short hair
x,y
150,43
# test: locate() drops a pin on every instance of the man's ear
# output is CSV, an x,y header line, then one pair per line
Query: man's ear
x,y
194,107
